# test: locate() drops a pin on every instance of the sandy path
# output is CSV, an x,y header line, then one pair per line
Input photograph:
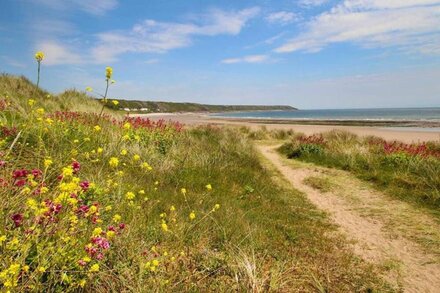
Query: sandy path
x,y
418,270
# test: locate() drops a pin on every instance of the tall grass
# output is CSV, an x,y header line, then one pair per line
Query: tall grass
x,y
132,205
406,171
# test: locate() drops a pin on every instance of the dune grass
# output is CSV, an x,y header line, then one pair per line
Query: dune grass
x,y
106,204
408,172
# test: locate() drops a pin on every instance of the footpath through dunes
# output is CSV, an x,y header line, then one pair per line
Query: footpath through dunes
x,y
400,239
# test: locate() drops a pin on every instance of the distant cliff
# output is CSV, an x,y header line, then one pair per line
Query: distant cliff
x,y
171,107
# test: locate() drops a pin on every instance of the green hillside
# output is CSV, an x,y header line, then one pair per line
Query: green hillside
x,y
171,107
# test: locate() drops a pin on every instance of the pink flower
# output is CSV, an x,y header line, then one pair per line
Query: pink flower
x,y
82,263
101,242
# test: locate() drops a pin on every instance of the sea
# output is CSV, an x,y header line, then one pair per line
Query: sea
x,y
378,114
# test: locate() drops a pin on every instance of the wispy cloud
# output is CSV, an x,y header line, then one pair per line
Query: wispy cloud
x,y
247,59
57,53
312,3
412,26
282,17
152,36
96,7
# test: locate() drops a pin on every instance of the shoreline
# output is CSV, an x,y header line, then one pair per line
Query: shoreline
x,y
407,134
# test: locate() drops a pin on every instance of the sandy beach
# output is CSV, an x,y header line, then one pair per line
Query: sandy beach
x,y
404,134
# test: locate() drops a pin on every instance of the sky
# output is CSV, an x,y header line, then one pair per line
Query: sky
x,y
310,54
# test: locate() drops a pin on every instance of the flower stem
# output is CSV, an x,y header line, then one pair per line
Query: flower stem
x,y
38,75
105,99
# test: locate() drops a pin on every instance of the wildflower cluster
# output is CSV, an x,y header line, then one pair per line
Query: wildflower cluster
x,y
420,150
71,186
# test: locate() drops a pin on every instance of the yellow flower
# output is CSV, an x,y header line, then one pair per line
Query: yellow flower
x,y
40,111
82,283
2,239
94,268
208,187
97,231
124,152
183,191
216,207
164,227
67,171
115,102
155,262
31,102
47,162
147,166
41,269
136,158
114,162
99,150
117,218
110,234
172,208
127,125
108,72
130,195
93,209
108,208
89,89
39,56
192,216
97,128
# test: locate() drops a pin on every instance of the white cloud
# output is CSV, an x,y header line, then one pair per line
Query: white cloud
x,y
97,7
282,17
312,3
247,59
152,36
56,53
412,26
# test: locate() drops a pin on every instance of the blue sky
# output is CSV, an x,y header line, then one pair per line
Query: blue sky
x,y
305,53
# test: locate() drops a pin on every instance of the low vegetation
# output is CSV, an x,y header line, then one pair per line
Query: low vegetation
x,y
99,203
171,107
407,171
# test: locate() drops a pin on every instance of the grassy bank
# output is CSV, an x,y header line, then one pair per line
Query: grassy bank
x,y
99,203
408,172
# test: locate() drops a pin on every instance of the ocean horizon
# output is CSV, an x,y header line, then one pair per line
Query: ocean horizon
x,y
431,114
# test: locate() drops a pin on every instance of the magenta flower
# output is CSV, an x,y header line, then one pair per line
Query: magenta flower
x,y
19,173
85,185
76,166
20,183
17,219
37,173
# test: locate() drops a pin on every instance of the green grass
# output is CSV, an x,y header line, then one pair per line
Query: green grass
x,y
412,178
264,236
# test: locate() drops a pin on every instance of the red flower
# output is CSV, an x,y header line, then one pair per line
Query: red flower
x,y
76,166
17,219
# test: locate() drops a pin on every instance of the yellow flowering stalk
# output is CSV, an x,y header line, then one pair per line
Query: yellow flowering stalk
x,y
39,56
